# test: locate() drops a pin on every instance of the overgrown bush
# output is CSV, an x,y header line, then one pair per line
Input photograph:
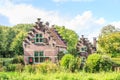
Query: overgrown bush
x,y
97,62
105,63
4,77
18,59
7,62
66,60
10,67
92,63
70,62
19,67
30,68
45,67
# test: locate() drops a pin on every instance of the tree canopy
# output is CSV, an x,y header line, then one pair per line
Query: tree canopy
x,y
109,40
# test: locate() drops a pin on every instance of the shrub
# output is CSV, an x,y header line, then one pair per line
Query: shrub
x,y
66,60
7,62
73,65
92,63
4,77
10,67
46,67
97,62
70,62
105,63
60,55
1,64
30,68
18,59
19,67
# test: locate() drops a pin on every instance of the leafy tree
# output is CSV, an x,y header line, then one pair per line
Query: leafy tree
x,y
16,45
70,37
110,44
108,29
7,34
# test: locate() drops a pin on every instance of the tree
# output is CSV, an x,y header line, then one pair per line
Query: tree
x,y
110,43
108,29
16,45
69,36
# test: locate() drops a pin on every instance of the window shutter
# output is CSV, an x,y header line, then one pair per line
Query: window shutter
x,y
30,60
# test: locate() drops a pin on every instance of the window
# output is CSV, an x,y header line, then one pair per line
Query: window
x,y
38,38
39,56
84,49
41,53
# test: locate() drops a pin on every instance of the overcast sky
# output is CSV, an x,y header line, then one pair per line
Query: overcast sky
x,y
86,17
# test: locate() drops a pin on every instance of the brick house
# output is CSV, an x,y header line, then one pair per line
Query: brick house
x,y
42,43
85,48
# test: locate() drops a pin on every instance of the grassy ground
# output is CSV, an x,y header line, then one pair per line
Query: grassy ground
x,y
59,76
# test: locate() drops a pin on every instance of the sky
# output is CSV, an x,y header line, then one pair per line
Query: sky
x,y
85,17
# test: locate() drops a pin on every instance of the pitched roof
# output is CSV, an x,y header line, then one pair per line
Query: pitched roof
x,y
56,36
52,31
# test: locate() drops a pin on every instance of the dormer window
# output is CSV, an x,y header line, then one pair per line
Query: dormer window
x,y
38,38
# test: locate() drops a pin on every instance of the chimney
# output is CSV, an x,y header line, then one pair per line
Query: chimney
x,y
94,41
38,20
82,36
47,23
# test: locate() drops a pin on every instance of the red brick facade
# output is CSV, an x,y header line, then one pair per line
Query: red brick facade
x,y
42,43
85,48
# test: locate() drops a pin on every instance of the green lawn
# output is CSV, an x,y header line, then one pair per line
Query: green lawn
x,y
59,76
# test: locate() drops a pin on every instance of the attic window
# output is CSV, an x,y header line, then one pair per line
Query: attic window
x,y
38,38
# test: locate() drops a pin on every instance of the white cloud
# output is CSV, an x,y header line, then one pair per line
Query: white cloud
x,y
72,1
84,23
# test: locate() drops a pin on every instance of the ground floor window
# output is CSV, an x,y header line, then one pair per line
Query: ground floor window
x,y
38,56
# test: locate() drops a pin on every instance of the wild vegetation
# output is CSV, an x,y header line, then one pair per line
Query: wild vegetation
x,y
69,67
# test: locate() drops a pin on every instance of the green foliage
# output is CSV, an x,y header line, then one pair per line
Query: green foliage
x,y
46,67
10,67
4,77
30,68
116,61
18,59
16,45
60,55
59,76
66,60
73,65
97,62
70,37
105,63
110,43
92,63
7,36
70,62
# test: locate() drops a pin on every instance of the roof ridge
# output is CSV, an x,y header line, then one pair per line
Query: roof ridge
x,y
59,35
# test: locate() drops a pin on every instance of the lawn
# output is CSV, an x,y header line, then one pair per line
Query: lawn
x,y
59,76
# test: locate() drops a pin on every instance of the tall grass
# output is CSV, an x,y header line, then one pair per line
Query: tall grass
x,y
59,76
